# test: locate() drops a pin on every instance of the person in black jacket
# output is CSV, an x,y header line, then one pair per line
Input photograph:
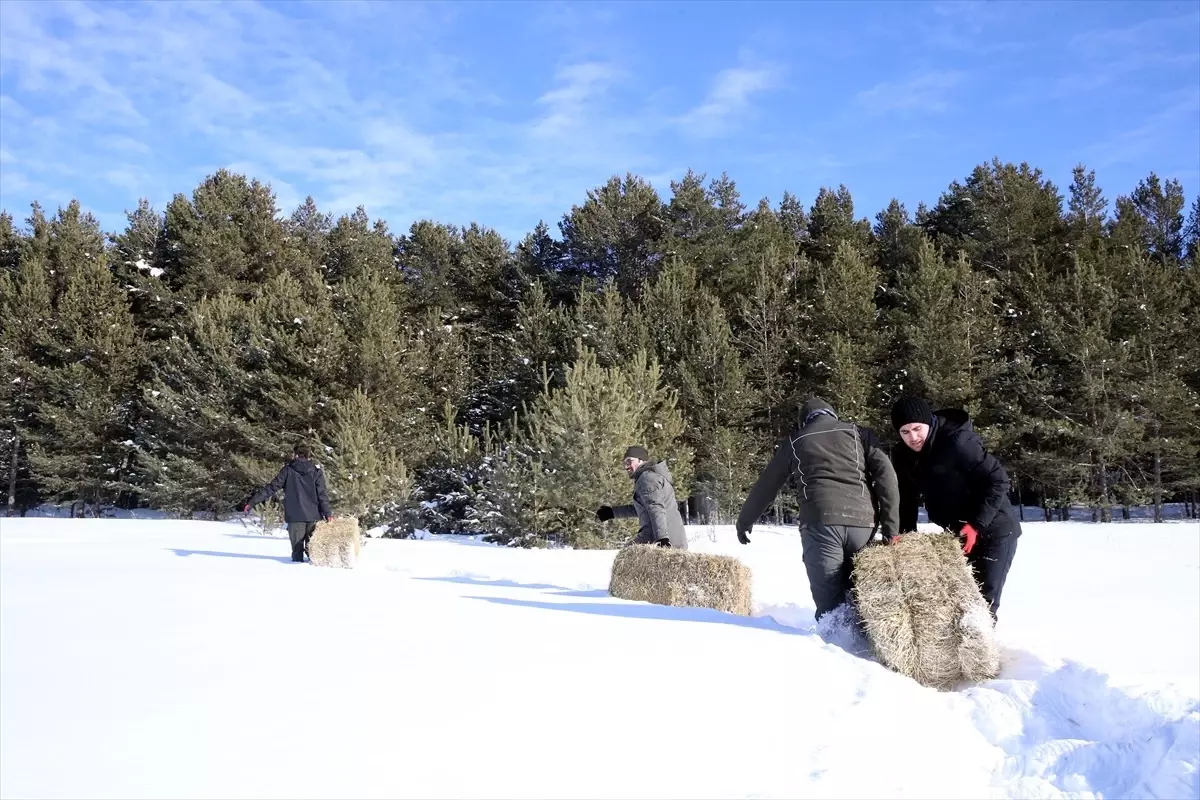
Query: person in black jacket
x,y
304,498
846,488
944,463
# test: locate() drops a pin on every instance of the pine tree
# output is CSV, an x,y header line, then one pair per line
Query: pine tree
x,y
449,497
10,245
702,225
308,230
1092,376
603,320
897,243
794,220
225,238
564,458
614,234
26,322
1191,235
1151,218
137,259
768,334
539,260
351,247
1153,304
718,401
843,345
232,392
1086,213
831,224
949,330
366,477
81,445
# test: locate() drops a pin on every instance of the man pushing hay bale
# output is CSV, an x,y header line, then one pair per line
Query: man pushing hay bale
x,y
671,577
335,543
923,611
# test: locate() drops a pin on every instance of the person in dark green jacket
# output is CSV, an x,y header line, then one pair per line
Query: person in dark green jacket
x,y
846,488
654,504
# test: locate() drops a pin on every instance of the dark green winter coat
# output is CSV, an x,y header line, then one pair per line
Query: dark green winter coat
x,y
840,471
655,506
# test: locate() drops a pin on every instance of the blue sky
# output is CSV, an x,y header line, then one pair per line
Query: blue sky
x,y
508,113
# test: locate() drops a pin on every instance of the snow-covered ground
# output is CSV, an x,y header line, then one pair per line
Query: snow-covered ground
x,y
157,658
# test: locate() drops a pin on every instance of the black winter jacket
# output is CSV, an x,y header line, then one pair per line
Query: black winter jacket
x,y
303,485
841,474
958,480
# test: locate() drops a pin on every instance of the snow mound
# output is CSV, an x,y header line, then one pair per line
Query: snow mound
x,y
1070,733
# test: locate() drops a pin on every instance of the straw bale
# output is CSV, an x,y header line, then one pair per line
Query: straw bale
x,y
335,544
671,577
923,612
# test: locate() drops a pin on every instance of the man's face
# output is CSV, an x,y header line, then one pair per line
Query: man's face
x,y
914,434
632,464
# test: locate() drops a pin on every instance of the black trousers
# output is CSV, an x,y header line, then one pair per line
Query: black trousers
x,y
300,533
990,560
828,553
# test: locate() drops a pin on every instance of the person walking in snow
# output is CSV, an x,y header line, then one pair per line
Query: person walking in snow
x,y
304,498
846,487
964,487
654,504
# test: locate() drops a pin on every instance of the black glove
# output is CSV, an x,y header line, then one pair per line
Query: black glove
x,y
604,513
743,535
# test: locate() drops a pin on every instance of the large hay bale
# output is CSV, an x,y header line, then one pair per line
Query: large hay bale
x,y
923,612
681,578
335,544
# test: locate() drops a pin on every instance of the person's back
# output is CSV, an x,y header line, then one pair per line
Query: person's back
x,y
844,484
833,465
830,473
305,500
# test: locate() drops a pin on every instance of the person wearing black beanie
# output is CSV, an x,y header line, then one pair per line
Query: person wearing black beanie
x,y
907,410
943,463
654,505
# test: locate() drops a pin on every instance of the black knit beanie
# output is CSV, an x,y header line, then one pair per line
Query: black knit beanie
x,y
638,452
911,409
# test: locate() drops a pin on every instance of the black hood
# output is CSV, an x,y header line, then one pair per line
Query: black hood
x,y
814,404
302,465
952,420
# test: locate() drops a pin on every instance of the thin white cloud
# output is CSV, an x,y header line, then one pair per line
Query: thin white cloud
x,y
976,27
728,99
927,92
303,101
1152,137
578,91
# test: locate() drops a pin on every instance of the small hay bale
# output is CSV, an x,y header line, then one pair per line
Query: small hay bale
x,y
335,544
681,578
923,612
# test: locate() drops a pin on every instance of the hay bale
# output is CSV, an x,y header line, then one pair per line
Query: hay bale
x,y
923,612
335,544
681,578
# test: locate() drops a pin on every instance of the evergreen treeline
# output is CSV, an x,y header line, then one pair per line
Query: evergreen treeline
x,y
456,382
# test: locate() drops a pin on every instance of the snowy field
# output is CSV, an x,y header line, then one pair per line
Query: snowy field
x,y
151,658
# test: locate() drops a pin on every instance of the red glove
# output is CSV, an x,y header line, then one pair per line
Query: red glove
x,y
893,540
969,533
246,508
